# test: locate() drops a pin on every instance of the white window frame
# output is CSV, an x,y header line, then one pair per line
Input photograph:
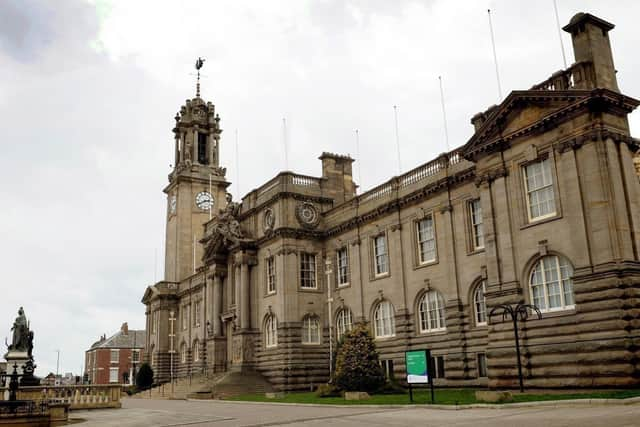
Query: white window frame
x,y
380,255
115,370
308,271
135,352
477,224
271,332
384,320
344,322
271,275
342,266
115,359
480,304
425,236
543,188
563,270
431,312
311,330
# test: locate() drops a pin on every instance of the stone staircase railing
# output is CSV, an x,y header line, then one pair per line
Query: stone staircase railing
x,y
77,396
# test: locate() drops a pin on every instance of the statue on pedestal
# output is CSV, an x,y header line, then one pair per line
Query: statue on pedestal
x,y
22,337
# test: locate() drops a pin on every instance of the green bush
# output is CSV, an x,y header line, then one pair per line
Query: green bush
x,y
144,377
357,364
391,387
328,390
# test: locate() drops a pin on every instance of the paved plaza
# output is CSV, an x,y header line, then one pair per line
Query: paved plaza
x,y
136,412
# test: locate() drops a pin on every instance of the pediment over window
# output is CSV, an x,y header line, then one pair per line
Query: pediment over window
x,y
525,112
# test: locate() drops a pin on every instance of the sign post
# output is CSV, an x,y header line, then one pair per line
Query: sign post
x,y
418,370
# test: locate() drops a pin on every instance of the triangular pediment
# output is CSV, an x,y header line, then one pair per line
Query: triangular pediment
x,y
519,114
149,293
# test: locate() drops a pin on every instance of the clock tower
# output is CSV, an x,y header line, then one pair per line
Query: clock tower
x,y
197,186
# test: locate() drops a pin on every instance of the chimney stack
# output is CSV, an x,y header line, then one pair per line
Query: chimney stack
x,y
125,328
337,177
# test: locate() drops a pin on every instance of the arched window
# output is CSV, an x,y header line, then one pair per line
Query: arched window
x,y
384,323
183,353
343,322
431,311
196,350
480,303
310,330
551,284
271,331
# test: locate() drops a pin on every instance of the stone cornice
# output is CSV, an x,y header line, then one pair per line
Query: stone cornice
x,y
284,195
599,133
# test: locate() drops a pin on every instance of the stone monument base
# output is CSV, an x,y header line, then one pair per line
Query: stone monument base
x,y
17,359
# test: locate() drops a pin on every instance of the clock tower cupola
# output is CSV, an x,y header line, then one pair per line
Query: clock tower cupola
x,y
197,184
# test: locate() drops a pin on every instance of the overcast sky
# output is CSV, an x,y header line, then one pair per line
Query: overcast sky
x,y
88,91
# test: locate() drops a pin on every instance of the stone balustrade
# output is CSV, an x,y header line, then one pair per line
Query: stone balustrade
x,y
77,396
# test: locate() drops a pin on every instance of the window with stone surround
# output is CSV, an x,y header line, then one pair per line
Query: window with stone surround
x,y
271,275
308,271
135,355
383,320
380,256
551,284
196,350
196,314
343,322
426,240
475,220
480,304
539,190
431,310
482,365
183,353
311,330
185,317
115,356
271,332
342,262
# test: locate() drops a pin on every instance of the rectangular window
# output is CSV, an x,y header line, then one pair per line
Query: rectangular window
x,y
387,368
185,317
381,259
113,375
539,188
307,271
154,319
342,260
196,314
477,232
437,366
271,275
482,365
115,356
203,158
135,355
426,239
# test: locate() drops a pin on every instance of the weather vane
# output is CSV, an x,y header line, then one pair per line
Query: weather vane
x,y
199,64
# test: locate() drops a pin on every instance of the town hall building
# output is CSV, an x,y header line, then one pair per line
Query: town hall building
x,y
541,206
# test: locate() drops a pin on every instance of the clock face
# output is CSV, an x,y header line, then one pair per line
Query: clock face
x,y
204,200
172,204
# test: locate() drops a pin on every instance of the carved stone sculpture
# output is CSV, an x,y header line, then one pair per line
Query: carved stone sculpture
x,y
22,338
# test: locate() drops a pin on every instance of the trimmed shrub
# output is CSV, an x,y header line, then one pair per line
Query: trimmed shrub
x,y
357,364
328,390
144,377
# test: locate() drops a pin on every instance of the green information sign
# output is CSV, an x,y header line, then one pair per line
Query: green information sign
x,y
417,366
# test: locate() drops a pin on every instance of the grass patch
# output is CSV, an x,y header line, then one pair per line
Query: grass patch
x,y
442,397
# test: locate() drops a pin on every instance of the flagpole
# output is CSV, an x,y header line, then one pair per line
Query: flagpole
x,y
444,114
495,56
395,114
564,57
237,167
284,142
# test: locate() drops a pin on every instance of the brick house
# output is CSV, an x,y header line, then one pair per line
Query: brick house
x,y
114,359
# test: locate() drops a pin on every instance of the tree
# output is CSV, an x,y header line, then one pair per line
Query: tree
x,y
358,365
144,377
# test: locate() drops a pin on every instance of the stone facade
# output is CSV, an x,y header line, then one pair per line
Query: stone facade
x,y
540,206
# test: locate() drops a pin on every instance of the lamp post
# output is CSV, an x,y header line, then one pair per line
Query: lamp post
x,y
328,270
171,350
522,311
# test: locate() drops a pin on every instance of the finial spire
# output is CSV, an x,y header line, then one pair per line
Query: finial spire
x,y
199,64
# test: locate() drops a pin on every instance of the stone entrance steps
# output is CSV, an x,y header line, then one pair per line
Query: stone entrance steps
x,y
182,387
237,383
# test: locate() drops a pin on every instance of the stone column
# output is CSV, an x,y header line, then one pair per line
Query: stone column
x,y
217,303
244,296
